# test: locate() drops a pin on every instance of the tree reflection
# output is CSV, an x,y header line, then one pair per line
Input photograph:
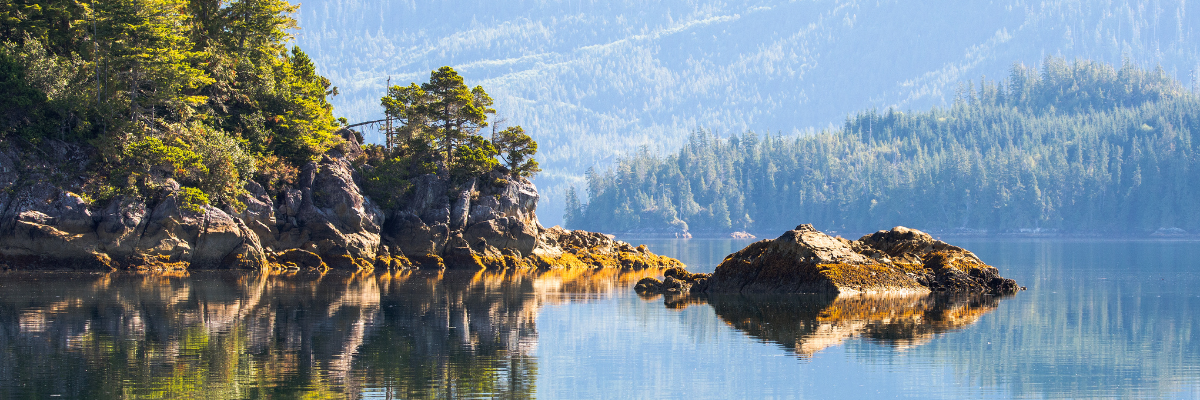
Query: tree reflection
x,y
249,335
807,324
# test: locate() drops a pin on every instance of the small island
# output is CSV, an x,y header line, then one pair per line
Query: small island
x,y
805,260
215,147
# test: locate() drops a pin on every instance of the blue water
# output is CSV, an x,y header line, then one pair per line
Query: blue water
x,y
1107,319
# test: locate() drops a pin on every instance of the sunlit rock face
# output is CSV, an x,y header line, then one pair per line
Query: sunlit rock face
x,y
223,334
45,223
900,260
809,323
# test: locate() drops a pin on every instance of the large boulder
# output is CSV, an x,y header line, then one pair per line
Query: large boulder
x,y
503,233
505,197
259,214
409,233
900,260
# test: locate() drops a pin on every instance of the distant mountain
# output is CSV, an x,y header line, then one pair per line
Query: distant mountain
x,y
1077,148
594,80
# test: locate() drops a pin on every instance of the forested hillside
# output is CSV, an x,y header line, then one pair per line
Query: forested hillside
x,y
205,94
592,80
198,98
1072,147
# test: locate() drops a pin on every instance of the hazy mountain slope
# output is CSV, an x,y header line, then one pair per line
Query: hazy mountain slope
x,y
590,80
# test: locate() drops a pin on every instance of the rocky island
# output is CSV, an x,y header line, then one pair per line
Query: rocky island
x,y
325,221
238,162
805,260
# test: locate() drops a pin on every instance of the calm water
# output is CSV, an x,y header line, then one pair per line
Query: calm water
x,y
1109,319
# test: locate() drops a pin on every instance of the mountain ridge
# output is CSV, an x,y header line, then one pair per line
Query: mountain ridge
x,y
591,81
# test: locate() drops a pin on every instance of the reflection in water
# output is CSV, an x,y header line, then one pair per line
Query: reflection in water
x,y
807,324
247,335
1101,319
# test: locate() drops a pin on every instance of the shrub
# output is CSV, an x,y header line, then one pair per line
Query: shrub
x,y
192,199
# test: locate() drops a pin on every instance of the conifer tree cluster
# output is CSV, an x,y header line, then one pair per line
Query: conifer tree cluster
x,y
1073,147
439,127
204,92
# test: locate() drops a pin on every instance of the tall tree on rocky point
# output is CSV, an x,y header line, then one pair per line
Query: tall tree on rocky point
x,y
444,116
455,112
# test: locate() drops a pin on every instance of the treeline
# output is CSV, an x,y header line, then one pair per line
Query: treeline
x,y
202,92
200,97
1075,147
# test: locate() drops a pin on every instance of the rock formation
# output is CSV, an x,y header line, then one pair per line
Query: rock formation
x,y
804,260
324,221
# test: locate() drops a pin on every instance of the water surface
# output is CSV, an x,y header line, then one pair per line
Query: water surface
x,y
1100,319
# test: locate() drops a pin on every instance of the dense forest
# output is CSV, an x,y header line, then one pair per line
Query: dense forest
x,y
196,98
202,92
1075,147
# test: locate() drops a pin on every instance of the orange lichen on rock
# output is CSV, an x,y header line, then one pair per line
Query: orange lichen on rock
x,y
160,262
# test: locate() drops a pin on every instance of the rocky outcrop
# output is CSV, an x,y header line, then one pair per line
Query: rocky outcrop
x,y
676,281
324,221
804,260
327,215
45,223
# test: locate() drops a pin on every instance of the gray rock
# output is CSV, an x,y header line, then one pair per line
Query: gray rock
x,y
329,209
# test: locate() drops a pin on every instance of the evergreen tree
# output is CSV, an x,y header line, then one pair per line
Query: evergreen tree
x,y
443,114
154,84
517,150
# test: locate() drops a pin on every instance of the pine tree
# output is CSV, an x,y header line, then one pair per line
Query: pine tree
x,y
517,150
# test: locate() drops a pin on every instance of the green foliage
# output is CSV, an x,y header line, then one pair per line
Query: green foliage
x,y
200,91
192,199
275,173
1081,86
444,114
22,107
152,156
455,113
303,119
1079,147
60,24
388,172
517,150
436,129
475,158
406,105
573,214
151,61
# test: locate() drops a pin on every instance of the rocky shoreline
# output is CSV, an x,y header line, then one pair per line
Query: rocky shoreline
x,y
804,260
1161,233
324,221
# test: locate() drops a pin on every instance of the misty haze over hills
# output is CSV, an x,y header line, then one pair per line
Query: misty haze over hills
x,y
593,80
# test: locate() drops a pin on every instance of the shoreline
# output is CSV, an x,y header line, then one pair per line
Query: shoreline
x,y
626,236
